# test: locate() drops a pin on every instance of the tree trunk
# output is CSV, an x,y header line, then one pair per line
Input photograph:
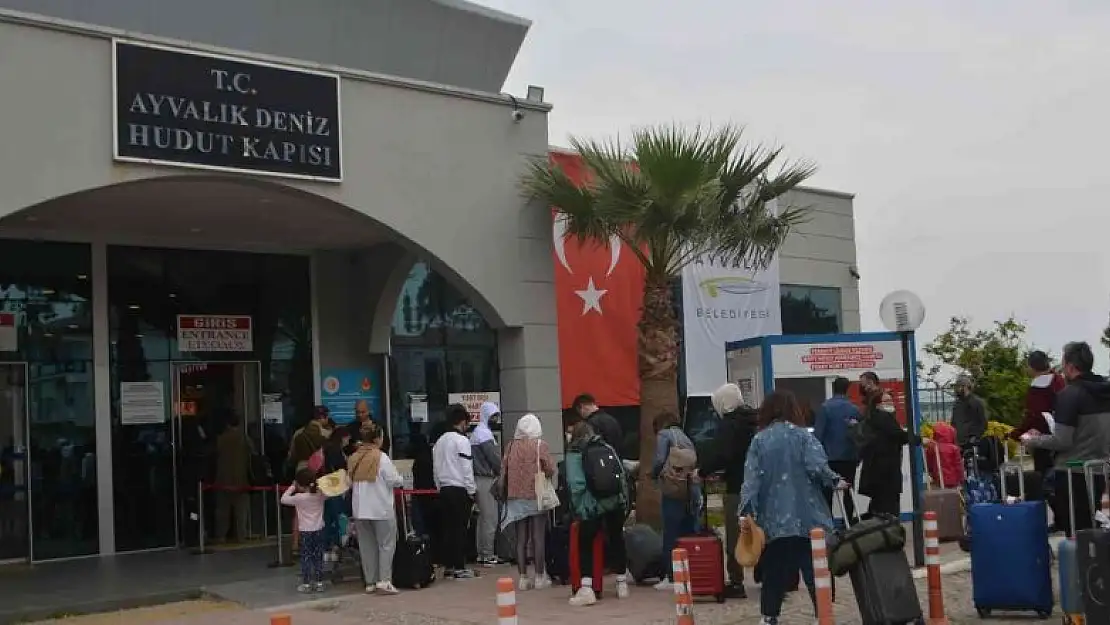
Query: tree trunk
x,y
658,362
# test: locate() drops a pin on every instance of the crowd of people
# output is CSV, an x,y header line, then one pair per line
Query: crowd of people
x,y
775,469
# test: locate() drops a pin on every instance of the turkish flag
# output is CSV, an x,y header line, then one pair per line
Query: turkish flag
x,y
599,290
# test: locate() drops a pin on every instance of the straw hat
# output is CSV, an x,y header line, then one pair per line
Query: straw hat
x,y
749,545
334,484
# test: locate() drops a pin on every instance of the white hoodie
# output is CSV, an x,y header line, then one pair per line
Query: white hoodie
x,y
452,462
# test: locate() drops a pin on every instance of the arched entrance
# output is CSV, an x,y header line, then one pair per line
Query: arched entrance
x,y
112,410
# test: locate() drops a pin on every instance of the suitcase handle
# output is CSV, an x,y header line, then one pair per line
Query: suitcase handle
x,y
1089,477
844,508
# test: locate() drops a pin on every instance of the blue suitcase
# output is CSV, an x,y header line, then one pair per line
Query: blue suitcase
x,y
1011,561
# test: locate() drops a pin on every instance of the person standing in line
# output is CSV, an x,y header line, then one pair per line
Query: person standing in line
x,y
302,445
734,438
309,504
969,413
233,461
373,478
453,463
881,474
1082,433
1040,399
595,513
603,423
487,466
525,457
785,478
679,513
833,427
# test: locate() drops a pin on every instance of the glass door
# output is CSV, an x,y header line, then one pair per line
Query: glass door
x,y
15,494
213,400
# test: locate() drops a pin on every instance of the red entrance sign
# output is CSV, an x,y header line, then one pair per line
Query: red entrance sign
x,y
848,356
214,333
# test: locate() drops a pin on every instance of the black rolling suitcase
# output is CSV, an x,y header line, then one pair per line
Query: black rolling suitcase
x,y
412,562
884,588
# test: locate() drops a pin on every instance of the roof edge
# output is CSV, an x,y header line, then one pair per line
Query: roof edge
x,y
474,7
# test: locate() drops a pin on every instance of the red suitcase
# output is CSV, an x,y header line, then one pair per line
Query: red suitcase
x,y
574,560
706,555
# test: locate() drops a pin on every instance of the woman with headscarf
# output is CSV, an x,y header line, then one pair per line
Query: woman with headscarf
x,y
373,478
487,466
526,455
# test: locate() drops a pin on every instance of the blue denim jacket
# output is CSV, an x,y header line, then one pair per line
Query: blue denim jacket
x,y
830,426
785,478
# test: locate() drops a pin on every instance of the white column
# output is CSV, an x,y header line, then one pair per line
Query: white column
x,y
103,398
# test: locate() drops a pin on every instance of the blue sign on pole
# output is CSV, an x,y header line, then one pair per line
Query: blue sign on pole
x,y
343,389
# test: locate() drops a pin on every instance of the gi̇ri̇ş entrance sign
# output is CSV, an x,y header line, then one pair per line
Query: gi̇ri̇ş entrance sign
x,y
191,109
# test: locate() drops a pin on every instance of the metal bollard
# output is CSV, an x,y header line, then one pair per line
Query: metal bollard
x,y
200,518
683,599
280,562
506,601
932,561
822,579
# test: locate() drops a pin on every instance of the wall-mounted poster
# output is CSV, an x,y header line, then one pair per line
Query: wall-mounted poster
x,y
343,389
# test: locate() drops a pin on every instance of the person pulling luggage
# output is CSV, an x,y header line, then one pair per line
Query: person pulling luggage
x,y
791,504
738,424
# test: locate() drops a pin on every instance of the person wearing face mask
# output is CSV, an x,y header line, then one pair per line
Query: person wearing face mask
x,y
881,456
487,466
1081,433
969,413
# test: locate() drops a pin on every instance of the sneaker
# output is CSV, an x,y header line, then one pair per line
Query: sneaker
x,y
387,588
318,587
542,582
769,620
585,596
525,583
448,573
371,588
664,584
622,589
304,587
464,574
489,561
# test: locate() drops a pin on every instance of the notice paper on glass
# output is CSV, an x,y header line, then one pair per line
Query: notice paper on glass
x,y
418,408
272,409
141,403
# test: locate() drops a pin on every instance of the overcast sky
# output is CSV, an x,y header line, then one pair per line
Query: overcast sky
x,y
974,134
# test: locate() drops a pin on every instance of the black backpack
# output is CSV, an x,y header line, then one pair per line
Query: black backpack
x,y
603,469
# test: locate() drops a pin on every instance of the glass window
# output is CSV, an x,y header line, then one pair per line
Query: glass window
x,y
47,290
147,290
810,309
441,344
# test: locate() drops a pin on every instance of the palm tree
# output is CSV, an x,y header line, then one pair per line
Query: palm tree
x,y
673,195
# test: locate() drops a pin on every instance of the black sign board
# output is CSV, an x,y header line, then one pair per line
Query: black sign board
x,y
176,107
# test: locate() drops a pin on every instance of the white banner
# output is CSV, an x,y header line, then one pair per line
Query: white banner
x,y
723,302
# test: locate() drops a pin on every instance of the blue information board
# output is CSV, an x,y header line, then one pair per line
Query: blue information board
x,y
342,389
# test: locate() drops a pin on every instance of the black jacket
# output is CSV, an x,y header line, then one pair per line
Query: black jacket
x,y
881,455
733,440
607,428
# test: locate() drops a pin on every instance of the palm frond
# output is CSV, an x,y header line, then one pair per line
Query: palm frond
x,y
680,193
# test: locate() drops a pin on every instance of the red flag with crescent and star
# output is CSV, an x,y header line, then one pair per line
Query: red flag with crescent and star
x,y
598,292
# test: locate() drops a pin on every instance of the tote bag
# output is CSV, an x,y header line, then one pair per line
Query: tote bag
x,y
546,497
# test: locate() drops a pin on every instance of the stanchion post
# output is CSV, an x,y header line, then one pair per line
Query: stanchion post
x,y
200,516
822,579
932,561
280,546
506,601
683,600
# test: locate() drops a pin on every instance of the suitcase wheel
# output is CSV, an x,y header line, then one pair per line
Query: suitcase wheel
x,y
1044,614
983,612
720,597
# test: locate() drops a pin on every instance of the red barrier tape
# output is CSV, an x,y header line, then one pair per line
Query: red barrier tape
x,y
283,487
